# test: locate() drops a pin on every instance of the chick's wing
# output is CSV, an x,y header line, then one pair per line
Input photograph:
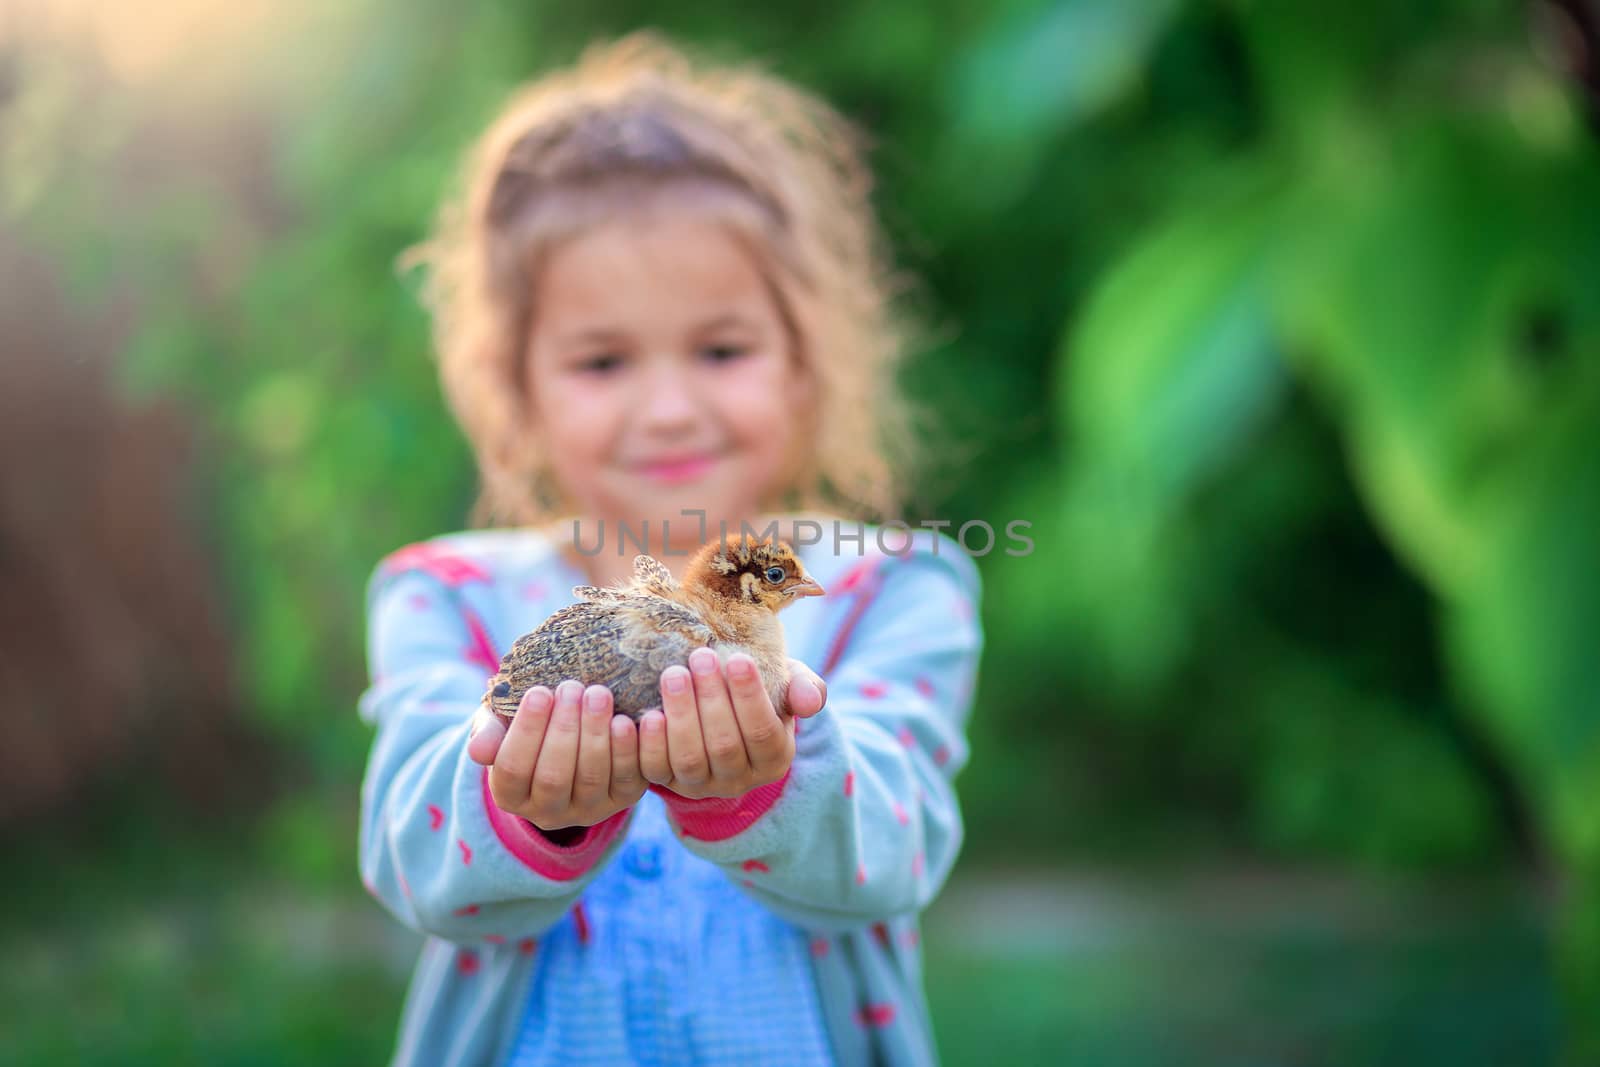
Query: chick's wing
x,y
620,642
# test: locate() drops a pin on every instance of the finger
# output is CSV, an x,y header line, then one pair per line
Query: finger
x,y
724,741
764,734
808,693
483,740
591,785
653,761
627,780
558,759
511,777
686,750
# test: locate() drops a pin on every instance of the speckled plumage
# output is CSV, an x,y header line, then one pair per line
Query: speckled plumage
x,y
624,637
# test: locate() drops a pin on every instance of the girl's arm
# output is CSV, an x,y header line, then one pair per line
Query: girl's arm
x,y
865,825
435,849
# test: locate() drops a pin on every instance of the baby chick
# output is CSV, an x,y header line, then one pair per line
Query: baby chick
x,y
624,637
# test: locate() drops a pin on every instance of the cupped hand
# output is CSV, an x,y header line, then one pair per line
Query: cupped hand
x,y
717,734
564,761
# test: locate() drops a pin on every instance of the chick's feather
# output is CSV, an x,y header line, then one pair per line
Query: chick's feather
x,y
623,638
619,640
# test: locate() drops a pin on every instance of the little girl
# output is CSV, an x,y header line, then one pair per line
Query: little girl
x,y
661,305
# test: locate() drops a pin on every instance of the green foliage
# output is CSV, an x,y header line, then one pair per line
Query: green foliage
x,y
1399,262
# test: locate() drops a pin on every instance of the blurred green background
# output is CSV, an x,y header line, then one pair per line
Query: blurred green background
x,y
1279,322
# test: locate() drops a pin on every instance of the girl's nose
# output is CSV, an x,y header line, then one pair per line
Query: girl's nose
x,y
668,401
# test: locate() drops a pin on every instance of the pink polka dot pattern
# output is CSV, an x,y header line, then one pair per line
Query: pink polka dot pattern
x,y
900,814
756,865
467,961
470,909
941,755
466,851
849,782
854,576
925,687
481,651
495,939
859,580
907,738
435,816
861,874
526,946
873,690
916,865
876,1015
819,947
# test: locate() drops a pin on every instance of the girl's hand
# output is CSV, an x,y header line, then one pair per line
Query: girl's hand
x,y
721,737
565,761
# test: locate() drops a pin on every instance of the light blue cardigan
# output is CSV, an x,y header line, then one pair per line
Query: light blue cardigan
x,y
851,845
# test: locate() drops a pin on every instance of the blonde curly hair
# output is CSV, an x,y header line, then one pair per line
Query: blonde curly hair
x,y
636,119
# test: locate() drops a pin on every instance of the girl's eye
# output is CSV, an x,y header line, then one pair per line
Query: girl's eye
x,y
723,353
601,364
775,575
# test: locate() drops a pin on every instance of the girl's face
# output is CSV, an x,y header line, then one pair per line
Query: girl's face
x,y
662,374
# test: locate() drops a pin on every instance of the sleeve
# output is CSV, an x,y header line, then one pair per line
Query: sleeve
x,y
435,849
865,825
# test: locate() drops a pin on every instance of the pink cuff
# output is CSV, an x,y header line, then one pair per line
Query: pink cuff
x,y
719,818
561,863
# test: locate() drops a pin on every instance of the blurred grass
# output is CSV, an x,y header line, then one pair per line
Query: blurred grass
x,y
1220,971
160,946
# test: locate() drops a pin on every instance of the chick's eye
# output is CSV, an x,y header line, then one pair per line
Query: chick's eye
x,y
776,575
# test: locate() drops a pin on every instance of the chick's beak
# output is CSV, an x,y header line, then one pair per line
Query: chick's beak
x,y
806,587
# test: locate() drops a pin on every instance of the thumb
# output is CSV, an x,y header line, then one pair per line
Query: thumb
x,y
483,740
808,693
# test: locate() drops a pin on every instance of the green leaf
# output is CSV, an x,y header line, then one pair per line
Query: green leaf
x,y
1037,72
1169,371
1172,364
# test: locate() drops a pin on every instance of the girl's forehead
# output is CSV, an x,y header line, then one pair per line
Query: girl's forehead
x,y
662,267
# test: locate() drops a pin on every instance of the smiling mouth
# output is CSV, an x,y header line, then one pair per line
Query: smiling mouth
x,y
678,470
